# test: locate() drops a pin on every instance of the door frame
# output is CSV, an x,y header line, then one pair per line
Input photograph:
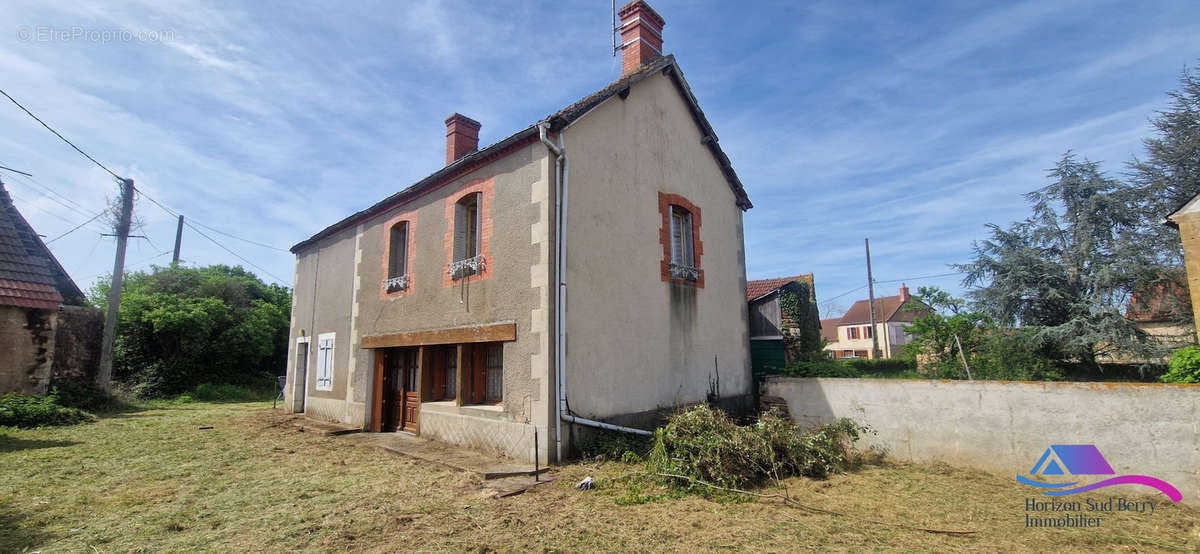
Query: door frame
x,y
380,397
301,380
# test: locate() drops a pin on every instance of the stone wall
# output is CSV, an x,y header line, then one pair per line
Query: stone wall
x,y
77,343
26,349
1004,426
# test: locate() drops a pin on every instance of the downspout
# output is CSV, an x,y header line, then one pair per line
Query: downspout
x,y
562,185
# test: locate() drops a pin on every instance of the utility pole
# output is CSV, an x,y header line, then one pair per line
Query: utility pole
x,y
871,300
104,375
178,241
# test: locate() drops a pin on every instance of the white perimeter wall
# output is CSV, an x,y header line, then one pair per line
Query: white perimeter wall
x,y
1004,426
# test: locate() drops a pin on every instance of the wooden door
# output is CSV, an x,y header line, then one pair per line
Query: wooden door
x,y
393,389
412,392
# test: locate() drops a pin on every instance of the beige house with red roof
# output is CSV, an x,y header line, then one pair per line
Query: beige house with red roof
x,y
850,336
443,309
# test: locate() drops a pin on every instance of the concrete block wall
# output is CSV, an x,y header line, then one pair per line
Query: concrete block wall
x,y
1004,426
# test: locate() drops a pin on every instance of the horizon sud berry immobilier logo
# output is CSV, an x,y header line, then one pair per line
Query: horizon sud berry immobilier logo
x,y
1073,460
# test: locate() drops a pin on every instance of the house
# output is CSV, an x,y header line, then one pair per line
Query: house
x,y
777,336
1160,310
444,309
1187,220
892,313
34,289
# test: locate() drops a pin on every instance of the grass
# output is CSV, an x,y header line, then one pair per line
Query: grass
x,y
153,480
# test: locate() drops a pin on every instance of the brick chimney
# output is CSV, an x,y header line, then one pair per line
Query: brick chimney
x,y
462,137
641,35
904,296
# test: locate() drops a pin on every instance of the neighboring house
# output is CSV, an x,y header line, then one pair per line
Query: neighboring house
x,y
443,309
892,314
1160,311
1187,220
33,291
774,333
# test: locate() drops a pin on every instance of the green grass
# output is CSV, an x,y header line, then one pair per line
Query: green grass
x,y
152,480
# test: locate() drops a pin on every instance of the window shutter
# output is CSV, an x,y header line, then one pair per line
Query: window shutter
x,y
478,224
676,236
686,224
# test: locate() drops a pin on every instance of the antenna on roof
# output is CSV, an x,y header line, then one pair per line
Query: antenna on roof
x,y
614,27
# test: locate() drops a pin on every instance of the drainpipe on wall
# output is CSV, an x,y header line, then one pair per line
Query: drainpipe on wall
x,y
562,174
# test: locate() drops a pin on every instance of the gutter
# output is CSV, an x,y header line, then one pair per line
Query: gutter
x,y
562,184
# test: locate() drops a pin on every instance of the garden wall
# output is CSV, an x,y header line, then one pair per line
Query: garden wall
x,y
1004,426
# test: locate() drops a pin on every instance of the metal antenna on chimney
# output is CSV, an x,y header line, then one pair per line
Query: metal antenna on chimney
x,y
615,29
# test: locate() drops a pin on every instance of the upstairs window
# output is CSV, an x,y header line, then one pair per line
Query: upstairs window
x,y
867,332
397,277
852,332
682,249
467,242
679,235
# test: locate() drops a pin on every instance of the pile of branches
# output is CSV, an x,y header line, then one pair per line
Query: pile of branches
x,y
705,445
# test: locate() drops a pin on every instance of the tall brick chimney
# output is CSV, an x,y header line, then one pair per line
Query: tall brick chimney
x,y
462,137
904,296
641,35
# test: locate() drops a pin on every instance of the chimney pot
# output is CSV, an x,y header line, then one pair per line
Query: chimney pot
x,y
462,137
904,295
641,35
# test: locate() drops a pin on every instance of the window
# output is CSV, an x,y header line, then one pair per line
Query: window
x,y
397,276
467,242
867,332
495,373
325,344
852,332
679,235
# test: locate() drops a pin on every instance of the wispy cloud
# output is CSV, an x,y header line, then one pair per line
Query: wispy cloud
x,y
910,123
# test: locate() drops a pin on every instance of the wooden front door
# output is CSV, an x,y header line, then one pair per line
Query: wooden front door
x,y
401,396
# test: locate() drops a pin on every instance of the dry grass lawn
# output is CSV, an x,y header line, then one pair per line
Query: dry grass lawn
x,y
151,481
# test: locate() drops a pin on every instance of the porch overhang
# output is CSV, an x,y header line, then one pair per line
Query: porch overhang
x,y
488,332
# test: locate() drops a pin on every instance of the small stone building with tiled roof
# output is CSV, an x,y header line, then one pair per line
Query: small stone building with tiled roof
x,y
33,290
775,333
853,337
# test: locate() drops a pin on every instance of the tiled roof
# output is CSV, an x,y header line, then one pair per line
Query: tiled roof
x,y
557,121
1162,301
29,275
887,308
829,328
758,288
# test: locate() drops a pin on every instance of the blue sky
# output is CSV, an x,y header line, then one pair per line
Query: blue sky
x,y
912,123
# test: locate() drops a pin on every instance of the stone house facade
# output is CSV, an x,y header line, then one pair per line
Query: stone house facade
x,y
443,310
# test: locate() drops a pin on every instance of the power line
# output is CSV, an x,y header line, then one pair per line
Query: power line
x,y
76,228
922,277
39,208
33,180
235,254
239,238
59,135
60,202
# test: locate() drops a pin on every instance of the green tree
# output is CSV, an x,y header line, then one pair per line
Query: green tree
x,y
180,327
1166,178
938,333
1067,271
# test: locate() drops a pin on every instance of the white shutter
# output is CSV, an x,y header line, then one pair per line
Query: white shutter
x,y
676,236
686,223
325,345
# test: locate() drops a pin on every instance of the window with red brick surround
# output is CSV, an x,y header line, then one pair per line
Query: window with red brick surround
x,y
480,193
399,227
666,204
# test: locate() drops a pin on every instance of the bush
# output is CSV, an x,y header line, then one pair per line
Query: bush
x,y
1015,356
208,392
1184,367
886,368
18,410
72,394
706,445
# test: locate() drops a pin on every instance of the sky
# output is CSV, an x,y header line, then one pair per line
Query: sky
x,y
910,123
